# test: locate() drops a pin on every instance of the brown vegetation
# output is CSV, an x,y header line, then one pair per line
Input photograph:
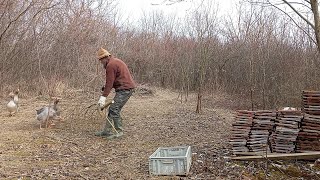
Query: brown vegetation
x,y
70,150
48,48
46,44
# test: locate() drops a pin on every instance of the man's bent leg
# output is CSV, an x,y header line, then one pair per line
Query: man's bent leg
x,y
107,131
120,100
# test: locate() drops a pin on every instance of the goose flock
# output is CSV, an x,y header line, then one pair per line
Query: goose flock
x,y
45,115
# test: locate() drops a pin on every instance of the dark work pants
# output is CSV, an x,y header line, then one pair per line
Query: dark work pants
x,y
120,99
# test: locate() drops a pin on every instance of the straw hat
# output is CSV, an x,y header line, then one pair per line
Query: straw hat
x,y
103,53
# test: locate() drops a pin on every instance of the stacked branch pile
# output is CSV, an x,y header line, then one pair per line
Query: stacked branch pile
x,y
283,139
309,136
241,128
251,130
262,126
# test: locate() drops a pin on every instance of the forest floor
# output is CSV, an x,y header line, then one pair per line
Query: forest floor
x,y
69,150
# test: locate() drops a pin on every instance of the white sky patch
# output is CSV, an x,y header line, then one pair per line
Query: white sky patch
x,y
135,9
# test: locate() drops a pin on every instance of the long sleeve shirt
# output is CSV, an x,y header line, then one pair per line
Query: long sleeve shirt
x,y
117,76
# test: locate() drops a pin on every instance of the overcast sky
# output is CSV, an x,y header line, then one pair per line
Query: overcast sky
x,y
135,8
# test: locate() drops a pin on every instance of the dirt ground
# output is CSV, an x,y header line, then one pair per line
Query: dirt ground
x,y
70,150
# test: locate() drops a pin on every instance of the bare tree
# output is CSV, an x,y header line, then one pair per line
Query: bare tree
x,y
306,10
203,28
48,43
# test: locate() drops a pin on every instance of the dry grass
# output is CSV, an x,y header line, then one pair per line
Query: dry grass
x,y
71,151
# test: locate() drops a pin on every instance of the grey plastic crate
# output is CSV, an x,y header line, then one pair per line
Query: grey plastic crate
x,y
170,161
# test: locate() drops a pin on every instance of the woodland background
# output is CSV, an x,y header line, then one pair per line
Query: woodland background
x,y
259,54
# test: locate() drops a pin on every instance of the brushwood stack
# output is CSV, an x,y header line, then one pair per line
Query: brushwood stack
x,y
240,131
284,131
283,139
308,138
262,126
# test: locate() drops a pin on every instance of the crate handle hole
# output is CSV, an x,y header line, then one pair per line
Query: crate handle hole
x,y
167,161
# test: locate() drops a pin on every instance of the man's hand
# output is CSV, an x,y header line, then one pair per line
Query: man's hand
x,y
102,101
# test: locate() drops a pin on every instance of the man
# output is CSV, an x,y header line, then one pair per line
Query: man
x,y
118,77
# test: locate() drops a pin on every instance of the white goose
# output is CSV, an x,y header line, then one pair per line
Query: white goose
x,y
12,105
16,99
49,113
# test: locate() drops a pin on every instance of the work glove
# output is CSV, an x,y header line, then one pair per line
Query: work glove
x,y
102,101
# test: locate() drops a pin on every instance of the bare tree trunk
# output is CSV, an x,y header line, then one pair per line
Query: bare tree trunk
x,y
315,10
199,99
251,82
264,85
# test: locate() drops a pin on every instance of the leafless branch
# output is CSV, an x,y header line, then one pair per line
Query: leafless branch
x,y
297,24
299,14
15,19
